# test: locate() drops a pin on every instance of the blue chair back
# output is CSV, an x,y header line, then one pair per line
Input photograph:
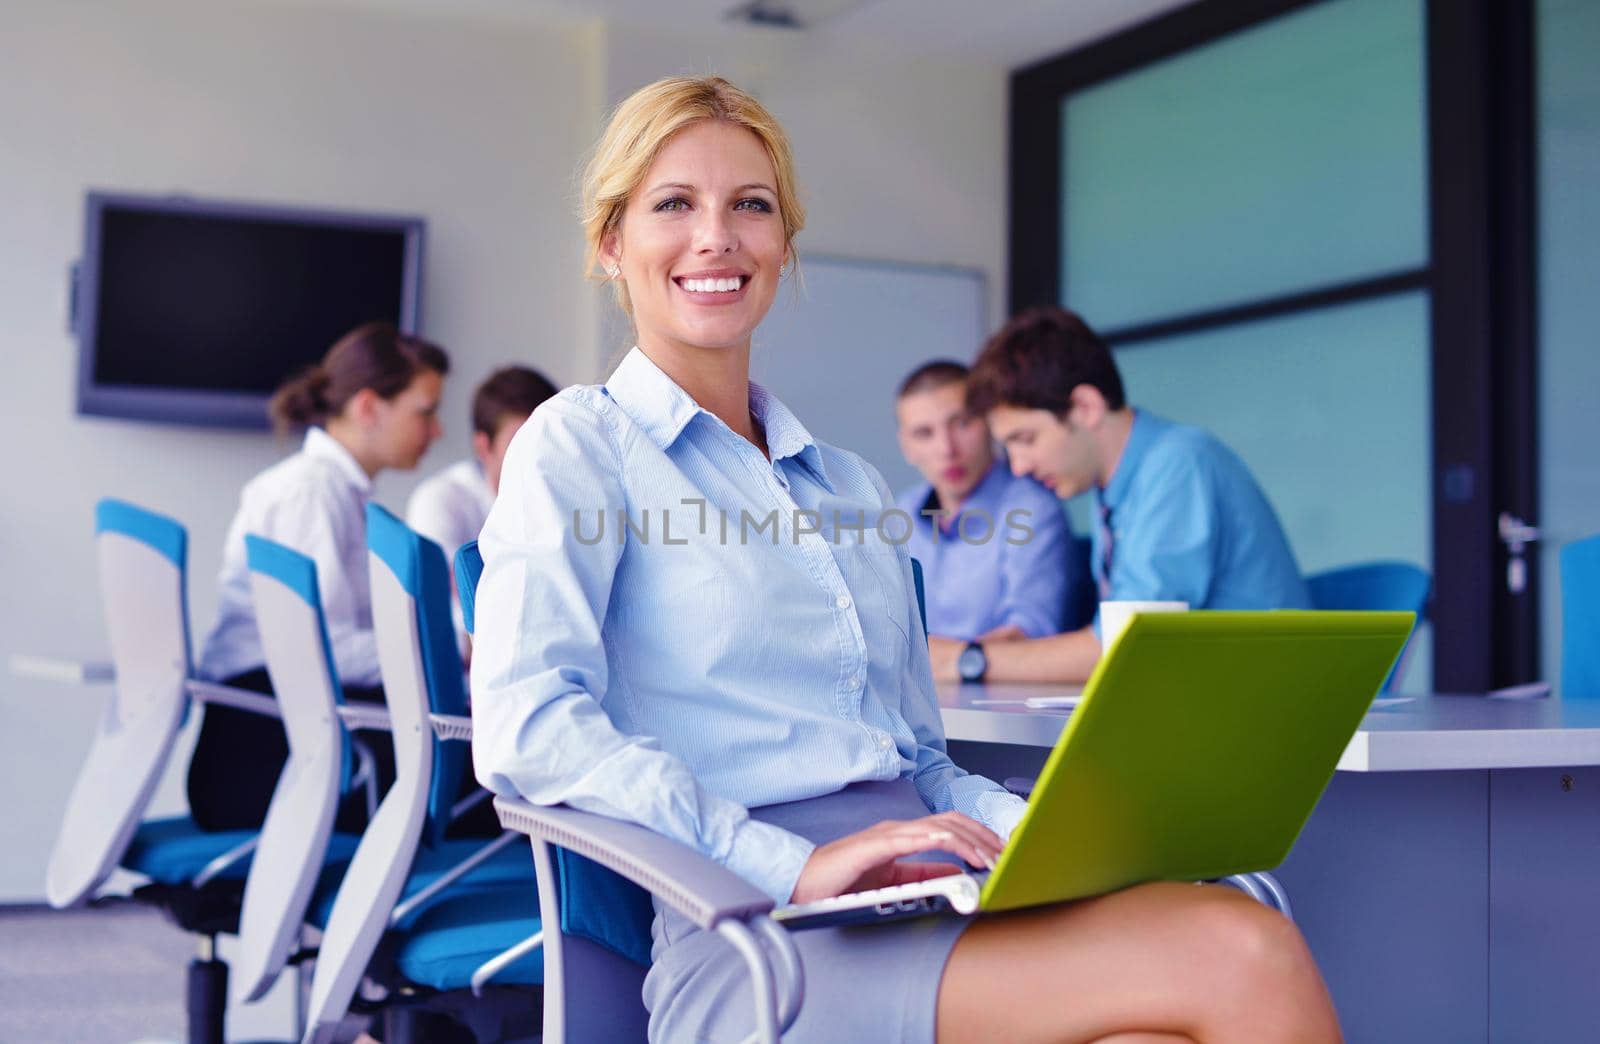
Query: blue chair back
x,y
1399,586
595,903
142,588
293,844
1083,599
469,566
922,595
419,565
1580,619
299,574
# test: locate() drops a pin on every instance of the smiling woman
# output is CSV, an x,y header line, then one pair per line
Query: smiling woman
x,y
770,703
700,246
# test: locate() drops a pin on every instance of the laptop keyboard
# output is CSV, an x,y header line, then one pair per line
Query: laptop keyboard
x,y
956,892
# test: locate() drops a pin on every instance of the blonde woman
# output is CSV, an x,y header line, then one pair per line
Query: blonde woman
x,y
688,620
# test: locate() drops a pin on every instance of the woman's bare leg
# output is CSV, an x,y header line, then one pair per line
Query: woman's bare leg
x,y
1203,963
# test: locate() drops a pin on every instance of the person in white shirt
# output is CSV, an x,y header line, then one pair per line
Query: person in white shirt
x,y
369,405
449,507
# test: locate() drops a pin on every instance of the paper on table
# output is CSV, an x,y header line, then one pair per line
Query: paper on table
x,y
1051,702
1531,691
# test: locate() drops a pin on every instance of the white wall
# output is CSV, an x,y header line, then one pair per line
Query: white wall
x,y
342,108
899,159
478,124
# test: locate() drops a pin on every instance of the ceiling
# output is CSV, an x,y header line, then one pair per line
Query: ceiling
x,y
1010,33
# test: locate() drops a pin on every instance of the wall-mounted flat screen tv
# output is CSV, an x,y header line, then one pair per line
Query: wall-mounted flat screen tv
x,y
191,311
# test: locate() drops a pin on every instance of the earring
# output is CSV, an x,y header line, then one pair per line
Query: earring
x,y
783,270
612,271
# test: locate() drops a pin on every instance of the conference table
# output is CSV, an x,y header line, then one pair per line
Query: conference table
x,y
1449,880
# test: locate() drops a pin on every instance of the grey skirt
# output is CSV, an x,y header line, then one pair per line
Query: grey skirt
x,y
878,983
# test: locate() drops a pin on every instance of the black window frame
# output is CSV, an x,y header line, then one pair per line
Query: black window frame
x,y
1480,274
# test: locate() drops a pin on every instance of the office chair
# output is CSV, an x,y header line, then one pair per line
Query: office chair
x,y
297,836
450,915
1580,619
1374,585
596,879
1083,599
922,595
196,878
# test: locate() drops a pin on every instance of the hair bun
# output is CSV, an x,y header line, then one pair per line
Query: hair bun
x,y
302,400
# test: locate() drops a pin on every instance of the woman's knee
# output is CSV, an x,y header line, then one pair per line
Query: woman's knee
x,y
1253,934
1261,955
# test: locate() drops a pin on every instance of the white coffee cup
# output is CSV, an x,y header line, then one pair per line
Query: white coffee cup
x,y
1115,616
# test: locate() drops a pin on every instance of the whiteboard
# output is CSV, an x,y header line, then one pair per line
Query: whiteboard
x,y
836,348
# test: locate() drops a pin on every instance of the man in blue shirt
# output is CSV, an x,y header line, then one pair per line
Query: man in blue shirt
x,y
993,546
1180,517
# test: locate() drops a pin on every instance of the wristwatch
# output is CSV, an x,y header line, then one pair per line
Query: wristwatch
x,y
972,664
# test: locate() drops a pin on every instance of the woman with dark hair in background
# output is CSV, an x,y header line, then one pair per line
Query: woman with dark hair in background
x,y
371,404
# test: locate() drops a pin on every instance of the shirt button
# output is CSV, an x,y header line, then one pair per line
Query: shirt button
x,y
884,742
852,684
843,601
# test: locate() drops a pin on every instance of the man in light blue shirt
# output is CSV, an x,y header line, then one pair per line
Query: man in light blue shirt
x,y
1180,517
993,546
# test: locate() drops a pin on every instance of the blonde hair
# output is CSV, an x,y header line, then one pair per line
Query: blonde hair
x,y
640,128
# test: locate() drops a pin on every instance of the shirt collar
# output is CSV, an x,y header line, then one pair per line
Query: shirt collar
x,y
1146,426
651,398
786,436
663,410
988,488
323,446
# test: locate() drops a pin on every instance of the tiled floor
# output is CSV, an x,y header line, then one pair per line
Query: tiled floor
x,y
110,975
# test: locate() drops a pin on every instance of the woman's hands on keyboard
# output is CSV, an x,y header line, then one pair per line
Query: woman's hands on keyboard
x,y
871,858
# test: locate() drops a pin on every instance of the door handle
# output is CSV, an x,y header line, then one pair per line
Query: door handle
x,y
1516,534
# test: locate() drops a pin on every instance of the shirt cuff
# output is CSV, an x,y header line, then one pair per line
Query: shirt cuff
x,y
768,857
1029,624
1000,811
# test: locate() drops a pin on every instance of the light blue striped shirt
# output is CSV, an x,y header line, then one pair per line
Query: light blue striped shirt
x,y
1003,560
672,630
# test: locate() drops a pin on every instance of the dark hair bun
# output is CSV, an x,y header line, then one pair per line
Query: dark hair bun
x,y
301,401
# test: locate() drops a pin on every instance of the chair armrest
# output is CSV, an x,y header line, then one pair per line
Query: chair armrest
x,y
702,890
451,726
56,669
503,960
364,716
228,696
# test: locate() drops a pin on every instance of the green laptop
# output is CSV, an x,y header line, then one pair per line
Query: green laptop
x,y
1199,749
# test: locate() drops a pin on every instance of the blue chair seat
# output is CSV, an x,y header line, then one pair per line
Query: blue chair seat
x,y
173,850
452,938
511,865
